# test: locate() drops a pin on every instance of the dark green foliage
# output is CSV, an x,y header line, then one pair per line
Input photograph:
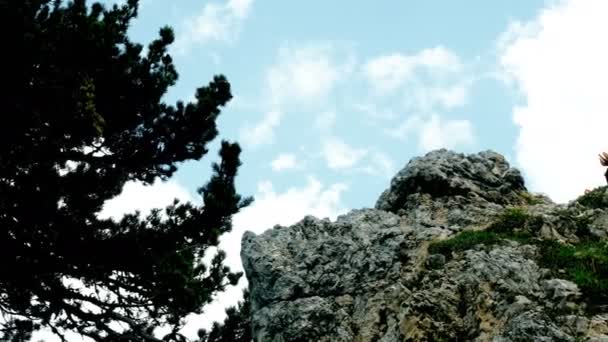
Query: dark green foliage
x,y
83,114
586,264
510,220
469,239
595,199
236,326
513,224
463,241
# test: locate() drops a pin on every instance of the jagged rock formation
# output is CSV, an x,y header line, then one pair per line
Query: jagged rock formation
x,y
407,271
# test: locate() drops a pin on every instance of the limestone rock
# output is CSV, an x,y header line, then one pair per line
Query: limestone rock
x,y
453,189
368,276
444,173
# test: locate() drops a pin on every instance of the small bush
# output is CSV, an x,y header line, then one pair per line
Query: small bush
x,y
463,241
510,225
595,199
510,220
529,198
586,264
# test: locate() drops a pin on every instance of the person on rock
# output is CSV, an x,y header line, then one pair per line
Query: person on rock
x,y
604,162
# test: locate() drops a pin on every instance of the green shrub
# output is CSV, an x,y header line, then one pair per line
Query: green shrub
x,y
469,239
595,198
586,264
510,225
529,198
463,241
510,220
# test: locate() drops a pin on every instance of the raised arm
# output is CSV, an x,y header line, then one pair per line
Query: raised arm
x,y
604,158
604,161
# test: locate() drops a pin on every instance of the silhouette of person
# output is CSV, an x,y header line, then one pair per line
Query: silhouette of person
x,y
604,162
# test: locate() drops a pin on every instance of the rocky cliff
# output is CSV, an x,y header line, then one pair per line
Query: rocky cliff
x,y
456,250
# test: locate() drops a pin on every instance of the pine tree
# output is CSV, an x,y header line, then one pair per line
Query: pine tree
x,y
83,114
235,328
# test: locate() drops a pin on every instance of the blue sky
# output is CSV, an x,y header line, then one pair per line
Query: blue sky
x,y
332,98
339,37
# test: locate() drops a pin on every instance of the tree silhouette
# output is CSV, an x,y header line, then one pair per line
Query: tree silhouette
x,y
83,114
236,326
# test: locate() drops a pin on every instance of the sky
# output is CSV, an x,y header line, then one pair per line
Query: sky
x,y
332,98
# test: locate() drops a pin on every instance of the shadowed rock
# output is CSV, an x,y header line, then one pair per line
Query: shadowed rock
x,y
444,188
444,173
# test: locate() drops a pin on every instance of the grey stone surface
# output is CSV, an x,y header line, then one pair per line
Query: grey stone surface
x,y
368,276
444,173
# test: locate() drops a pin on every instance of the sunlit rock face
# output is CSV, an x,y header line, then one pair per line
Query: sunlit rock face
x,y
374,275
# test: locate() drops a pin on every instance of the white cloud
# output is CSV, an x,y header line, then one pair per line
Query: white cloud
x,y
284,161
426,83
306,74
380,164
137,196
239,8
426,98
325,120
375,112
389,72
215,22
558,62
263,131
340,155
303,76
433,132
406,128
439,58
450,134
269,209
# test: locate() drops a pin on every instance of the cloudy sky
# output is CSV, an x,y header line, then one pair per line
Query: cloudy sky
x,y
331,98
